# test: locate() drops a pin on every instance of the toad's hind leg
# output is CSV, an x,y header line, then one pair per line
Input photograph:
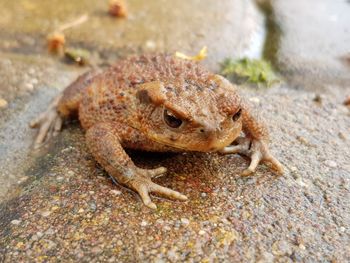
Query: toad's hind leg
x,y
63,106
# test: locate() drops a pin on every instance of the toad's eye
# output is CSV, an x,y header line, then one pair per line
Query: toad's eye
x,y
236,116
171,120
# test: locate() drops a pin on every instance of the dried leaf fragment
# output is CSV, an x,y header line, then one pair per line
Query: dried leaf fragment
x,y
78,55
117,8
347,101
202,54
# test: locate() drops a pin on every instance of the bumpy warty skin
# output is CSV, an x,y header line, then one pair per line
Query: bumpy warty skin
x,y
157,103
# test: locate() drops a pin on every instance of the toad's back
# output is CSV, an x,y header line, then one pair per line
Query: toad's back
x,y
110,96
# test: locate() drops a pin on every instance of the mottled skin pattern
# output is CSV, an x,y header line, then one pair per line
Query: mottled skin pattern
x,y
156,103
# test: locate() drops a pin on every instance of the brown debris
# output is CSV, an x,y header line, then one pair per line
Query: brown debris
x,y
347,101
117,8
56,42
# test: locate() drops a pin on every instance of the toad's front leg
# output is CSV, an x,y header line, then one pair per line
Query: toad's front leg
x,y
254,144
104,144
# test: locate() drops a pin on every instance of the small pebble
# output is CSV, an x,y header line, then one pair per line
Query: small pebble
x,y
116,192
255,100
3,103
281,248
317,98
331,163
70,173
203,194
150,44
185,221
15,222
302,247
34,81
119,243
45,213
201,232
143,223
60,178
29,86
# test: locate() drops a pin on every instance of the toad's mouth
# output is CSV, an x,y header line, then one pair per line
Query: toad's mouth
x,y
203,146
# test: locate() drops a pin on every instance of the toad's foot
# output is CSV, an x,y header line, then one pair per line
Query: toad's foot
x,y
257,150
143,185
49,124
153,173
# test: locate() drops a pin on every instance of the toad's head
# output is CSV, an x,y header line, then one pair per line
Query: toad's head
x,y
189,115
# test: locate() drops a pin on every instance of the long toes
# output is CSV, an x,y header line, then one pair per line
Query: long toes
x,y
167,192
42,134
143,192
57,126
157,172
233,149
36,122
247,172
276,165
255,159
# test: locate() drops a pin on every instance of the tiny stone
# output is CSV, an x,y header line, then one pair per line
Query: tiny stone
x,y
15,222
70,173
3,103
81,210
302,247
331,163
167,228
201,232
119,243
281,248
342,229
317,98
31,71
92,206
59,178
45,213
29,86
185,221
342,136
150,44
50,231
203,194
34,81
116,192
254,100
143,223
160,221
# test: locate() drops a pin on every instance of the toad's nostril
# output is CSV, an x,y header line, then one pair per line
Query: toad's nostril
x,y
202,130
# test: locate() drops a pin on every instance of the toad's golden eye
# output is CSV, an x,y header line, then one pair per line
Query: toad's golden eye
x,y
236,116
171,120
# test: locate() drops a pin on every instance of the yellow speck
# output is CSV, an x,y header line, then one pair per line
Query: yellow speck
x,y
3,103
54,208
202,54
19,245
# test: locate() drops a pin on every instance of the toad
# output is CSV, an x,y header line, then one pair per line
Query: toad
x,y
157,103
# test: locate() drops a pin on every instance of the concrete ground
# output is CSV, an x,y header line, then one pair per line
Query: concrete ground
x,y
59,205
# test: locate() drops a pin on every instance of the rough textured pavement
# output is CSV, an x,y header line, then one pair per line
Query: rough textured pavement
x,y
67,208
